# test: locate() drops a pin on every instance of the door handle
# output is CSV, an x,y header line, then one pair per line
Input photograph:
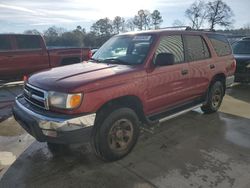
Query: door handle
x,y
184,71
9,56
212,66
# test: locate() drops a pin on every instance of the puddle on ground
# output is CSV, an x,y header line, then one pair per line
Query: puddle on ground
x,y
237,131
10,127
6,158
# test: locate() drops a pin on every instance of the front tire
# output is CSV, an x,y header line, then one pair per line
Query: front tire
x,y
215,97
116,134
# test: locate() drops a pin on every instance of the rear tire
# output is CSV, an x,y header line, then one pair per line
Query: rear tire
x,y
215,97
116,134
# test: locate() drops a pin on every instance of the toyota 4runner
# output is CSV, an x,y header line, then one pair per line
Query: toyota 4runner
x,y
134,79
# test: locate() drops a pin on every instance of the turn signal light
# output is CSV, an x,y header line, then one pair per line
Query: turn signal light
x,y
25,78
75,101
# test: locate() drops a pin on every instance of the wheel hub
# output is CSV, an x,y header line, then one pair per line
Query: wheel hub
x,y
216,99
120,135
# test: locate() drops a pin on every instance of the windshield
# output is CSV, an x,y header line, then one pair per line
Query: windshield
x,y
128,50
241,47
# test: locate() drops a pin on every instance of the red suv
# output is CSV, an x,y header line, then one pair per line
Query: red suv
x,y
134,79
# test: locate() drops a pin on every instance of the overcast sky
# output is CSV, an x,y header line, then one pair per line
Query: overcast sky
x,y
19,15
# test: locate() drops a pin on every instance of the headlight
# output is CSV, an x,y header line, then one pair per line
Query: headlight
x,y
64,100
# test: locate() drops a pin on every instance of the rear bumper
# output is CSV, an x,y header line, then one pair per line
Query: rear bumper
x,y
230,80
54,129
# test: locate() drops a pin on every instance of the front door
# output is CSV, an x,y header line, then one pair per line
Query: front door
x,y
168,85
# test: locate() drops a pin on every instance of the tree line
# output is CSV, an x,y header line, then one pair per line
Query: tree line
x,y
101,30
199,14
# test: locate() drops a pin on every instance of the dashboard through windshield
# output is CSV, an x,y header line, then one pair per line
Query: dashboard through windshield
x,y
127,50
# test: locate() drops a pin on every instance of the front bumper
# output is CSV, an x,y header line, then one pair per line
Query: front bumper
x,y
50,127
229,80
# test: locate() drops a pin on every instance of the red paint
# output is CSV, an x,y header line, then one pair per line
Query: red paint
x,y
156,87
16,62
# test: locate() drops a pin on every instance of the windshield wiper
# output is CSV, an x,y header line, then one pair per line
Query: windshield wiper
x,y
116,61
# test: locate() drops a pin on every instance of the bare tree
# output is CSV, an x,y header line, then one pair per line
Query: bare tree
x,y
196,13
156,19
219,13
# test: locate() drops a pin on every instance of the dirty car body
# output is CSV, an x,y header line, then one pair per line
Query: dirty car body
x,y
134,77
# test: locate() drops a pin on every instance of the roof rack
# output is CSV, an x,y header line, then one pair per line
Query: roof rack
x,y
208,30
177,28
187,28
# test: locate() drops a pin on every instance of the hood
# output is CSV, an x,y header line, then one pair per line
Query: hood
x,y
71,77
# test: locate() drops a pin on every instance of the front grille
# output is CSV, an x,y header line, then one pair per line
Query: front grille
x,y
36,96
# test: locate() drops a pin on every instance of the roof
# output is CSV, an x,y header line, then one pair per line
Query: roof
x,y
168,30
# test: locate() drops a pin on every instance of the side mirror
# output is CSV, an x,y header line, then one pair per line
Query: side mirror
x,y
164,59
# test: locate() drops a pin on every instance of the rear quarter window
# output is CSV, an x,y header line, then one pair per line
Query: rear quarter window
x,y
28,42
220,44
5,43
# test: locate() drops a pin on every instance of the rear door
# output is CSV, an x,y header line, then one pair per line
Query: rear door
x,y
200,63
5,56
168,85
29,54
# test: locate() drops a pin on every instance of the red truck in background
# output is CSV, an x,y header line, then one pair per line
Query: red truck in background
x,y
22,54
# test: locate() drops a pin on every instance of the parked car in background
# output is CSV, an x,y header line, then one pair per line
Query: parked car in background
x,y
133,79
241,50
25,54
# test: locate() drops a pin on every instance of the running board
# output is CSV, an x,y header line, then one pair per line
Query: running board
x,y
179,113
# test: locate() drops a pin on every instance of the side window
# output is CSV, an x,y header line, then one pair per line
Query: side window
x,y
5,43
196,48
220,44
172,44
28,42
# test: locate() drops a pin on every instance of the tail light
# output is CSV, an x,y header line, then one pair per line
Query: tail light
x,y
86,55
233,65
25,78
89,54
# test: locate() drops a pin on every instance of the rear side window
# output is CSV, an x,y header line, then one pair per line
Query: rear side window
x,y
28,42
172,44
5,43
196,48
220,44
